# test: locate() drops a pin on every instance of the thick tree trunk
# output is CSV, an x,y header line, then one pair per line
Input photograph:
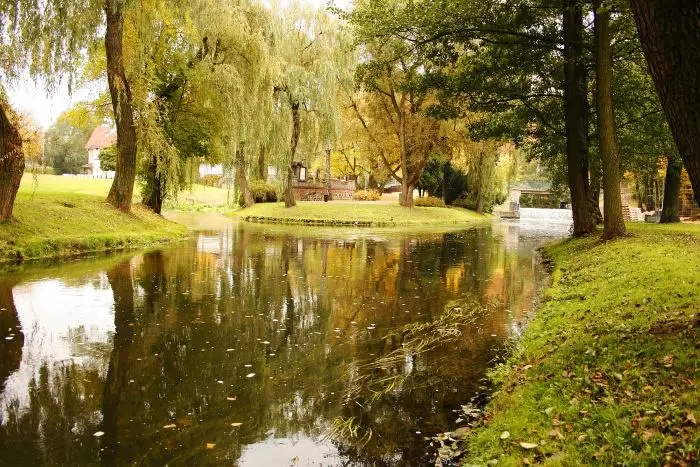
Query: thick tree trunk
x,y
406,198
11,162
672,191
123,185
241,179
289,200
576,118
669,31
613,222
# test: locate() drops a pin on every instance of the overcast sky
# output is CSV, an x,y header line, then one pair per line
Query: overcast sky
x,y
32,98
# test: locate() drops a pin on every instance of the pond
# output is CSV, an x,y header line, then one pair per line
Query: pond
x,y
251,345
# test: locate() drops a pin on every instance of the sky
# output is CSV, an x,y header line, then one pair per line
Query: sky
x,y
33,99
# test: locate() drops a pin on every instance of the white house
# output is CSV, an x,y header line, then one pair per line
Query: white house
x,y
102,137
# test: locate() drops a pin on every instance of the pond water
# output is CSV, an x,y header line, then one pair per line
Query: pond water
x,y
258,346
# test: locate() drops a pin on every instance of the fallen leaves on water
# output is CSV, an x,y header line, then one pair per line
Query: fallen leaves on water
x,y
528,445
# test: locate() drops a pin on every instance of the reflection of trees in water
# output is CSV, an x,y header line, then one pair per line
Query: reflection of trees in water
x,y
11,335
297,311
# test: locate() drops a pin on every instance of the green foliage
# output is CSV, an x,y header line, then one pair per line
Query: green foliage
x,y
108,158
263,192
211,180
367,195
536,201
429,202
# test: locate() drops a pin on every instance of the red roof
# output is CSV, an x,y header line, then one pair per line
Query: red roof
x,y
102,137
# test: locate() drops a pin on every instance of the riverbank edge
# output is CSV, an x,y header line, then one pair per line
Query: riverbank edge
x,y
346,215
574,391
119,232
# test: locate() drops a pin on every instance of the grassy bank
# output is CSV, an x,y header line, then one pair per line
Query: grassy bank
x,y
65,216
607,371
356,213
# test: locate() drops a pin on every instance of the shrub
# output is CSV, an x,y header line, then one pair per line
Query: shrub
x,y
467,202
211,180
263,192
367,195
429,202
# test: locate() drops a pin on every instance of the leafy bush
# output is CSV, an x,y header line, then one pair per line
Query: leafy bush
x,y
367,195
263,192
429,202
211,180
467,202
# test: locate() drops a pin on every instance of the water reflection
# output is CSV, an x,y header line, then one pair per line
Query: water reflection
x,y
242,346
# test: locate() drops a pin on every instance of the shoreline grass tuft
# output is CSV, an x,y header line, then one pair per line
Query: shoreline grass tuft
x,y
607,371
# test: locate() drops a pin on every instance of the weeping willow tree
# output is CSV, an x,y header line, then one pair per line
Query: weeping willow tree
x,y
42,40
201,80
312,60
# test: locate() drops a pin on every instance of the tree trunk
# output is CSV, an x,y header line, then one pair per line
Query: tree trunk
x,y
155,187
669,31
672,191
328,174
289,200
11,162
262,167
613,222
241,180
406,198
125,175
576,119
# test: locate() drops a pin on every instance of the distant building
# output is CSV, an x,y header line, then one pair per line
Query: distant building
x,y
102,137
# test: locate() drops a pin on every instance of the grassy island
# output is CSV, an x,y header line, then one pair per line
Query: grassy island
x,y
351,213
607,372
62,216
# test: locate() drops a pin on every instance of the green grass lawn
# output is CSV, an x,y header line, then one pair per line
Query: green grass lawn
x,y
607,371
60,216
347,213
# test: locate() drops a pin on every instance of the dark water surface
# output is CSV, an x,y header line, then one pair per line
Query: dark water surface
x,y
248,345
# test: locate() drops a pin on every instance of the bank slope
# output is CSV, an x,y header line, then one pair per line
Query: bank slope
x,y
356,213
63,224
607,371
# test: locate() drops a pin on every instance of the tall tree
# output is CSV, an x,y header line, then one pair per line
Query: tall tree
x,y
122,190
669,31
613,222
313,59
576,117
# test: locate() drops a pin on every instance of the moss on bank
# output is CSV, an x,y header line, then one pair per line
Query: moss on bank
x,y
349,213
607,371
55,224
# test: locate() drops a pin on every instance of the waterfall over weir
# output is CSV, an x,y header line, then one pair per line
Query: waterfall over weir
x,y
545,222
